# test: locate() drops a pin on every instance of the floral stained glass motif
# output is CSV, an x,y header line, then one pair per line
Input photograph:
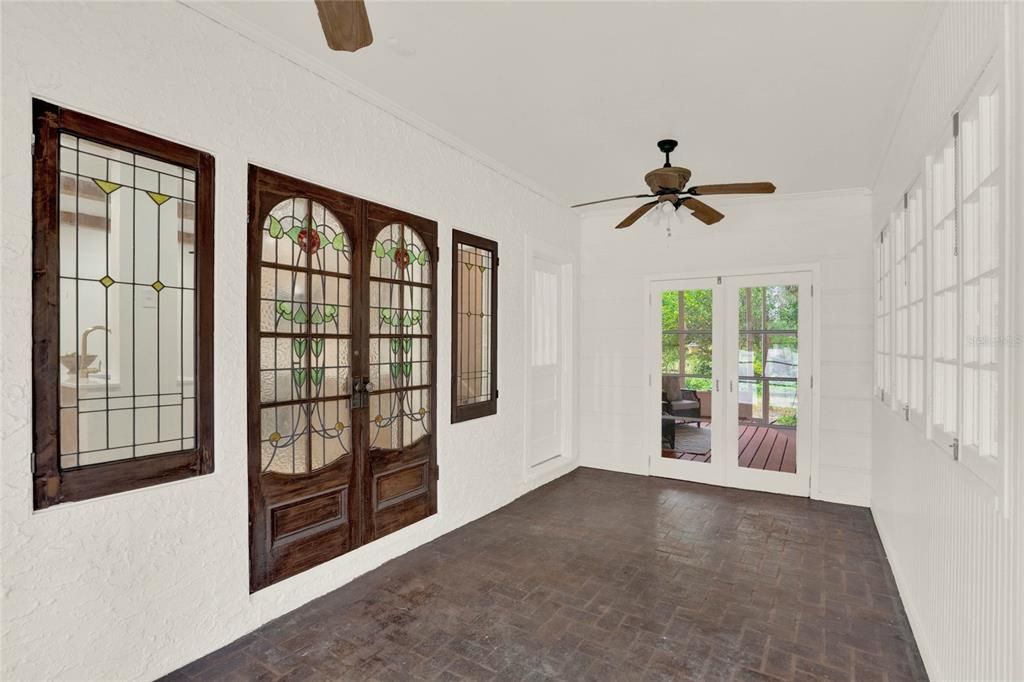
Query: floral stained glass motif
x,y
305,344
400,338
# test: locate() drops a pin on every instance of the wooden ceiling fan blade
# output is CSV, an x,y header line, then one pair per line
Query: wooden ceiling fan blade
x,y
601,201
636,215
345,23
733,188
702,211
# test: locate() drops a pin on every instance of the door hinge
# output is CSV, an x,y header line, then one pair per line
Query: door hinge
x,y
956,124
906,201
881,395
495,394
812,381
906,412
956,449
812,291
437,473
719,280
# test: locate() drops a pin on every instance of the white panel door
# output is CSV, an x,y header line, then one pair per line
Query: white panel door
x,y
546,438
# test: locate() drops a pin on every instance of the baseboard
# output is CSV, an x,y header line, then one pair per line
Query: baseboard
x,y
855,500
915,623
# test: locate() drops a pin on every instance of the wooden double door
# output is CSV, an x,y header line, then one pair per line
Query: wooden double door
x,y
341,360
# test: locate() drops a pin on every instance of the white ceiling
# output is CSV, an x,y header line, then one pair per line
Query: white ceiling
x,y
574,95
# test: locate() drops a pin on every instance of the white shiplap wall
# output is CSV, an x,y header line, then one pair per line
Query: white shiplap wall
x,y
829,230
953,543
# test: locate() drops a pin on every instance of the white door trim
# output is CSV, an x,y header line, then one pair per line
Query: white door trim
x,y
569,459
652,356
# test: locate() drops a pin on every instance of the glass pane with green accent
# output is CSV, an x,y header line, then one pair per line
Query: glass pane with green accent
x,y
331,311
287,224
283,369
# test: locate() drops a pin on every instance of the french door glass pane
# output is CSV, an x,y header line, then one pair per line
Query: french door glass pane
x,y
686,374
768,363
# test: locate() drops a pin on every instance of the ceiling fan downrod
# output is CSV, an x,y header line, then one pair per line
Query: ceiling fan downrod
x,y
667,147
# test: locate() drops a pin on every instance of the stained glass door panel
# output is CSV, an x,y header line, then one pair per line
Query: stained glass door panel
x,y
341,373
401,388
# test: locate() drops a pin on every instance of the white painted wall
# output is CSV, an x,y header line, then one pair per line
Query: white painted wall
x,y
953,545
830,230
134,585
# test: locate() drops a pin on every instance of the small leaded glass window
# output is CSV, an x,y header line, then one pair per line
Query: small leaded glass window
x,y
474,326
122,308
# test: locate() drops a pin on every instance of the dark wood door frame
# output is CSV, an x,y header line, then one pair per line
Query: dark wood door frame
x,y
297,521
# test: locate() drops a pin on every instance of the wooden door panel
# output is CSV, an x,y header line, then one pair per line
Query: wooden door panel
x,y
303,468
400,487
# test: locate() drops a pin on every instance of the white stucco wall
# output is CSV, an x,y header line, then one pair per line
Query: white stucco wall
x,y
134,585
823,229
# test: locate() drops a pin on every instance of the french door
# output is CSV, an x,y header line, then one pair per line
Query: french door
x,y
734,361
341,356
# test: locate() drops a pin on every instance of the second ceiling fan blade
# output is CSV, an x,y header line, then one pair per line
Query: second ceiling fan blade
x,y
345,23
733,188
601,201
702,211
636,215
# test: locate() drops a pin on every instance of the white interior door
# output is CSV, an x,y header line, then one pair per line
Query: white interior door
x,y
769,351
729,401
546,430
687,324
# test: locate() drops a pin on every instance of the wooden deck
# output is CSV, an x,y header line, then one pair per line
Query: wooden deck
x,y
760,447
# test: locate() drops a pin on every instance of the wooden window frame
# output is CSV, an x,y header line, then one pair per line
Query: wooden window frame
x,y
51,485
461,413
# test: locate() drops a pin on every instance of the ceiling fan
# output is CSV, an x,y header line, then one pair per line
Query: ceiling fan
x,y
345,23
667,185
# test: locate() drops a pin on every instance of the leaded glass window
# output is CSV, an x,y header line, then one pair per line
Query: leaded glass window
x,y
127,304
123,252
305,338
474,326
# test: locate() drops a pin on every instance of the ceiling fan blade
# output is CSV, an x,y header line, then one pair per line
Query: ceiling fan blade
x,y
345,23
636,215
601,201
733,188
702,211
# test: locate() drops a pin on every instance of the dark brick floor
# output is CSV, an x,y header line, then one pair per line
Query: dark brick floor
x,y
604,576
